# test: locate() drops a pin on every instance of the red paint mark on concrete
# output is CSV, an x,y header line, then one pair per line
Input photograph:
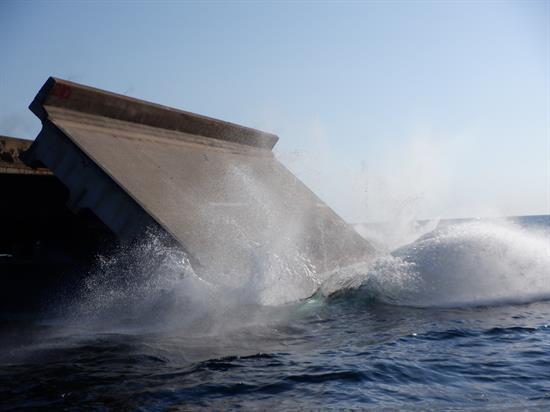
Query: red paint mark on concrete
x,y
62,91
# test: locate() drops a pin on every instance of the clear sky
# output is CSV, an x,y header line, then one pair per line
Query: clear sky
x,y
435,109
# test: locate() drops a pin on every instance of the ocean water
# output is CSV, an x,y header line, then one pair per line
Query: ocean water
x,y
458,319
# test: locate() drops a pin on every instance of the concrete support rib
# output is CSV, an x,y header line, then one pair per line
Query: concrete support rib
x,y
214,186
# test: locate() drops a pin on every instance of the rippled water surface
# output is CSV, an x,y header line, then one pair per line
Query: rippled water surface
x,y
460,319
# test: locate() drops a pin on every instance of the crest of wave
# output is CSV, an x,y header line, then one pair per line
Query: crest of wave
x,y
475,263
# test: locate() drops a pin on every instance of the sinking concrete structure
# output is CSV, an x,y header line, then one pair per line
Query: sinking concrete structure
x,y
214,187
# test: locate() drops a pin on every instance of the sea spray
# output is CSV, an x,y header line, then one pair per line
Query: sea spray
x,y
149,286
154,287
464,264
479,263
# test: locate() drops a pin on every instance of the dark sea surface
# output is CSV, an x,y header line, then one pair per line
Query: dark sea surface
x,y
457,320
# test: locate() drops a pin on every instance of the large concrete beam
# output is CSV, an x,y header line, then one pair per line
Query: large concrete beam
x,y
214,186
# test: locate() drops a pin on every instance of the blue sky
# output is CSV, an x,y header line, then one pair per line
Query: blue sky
x,y
434,109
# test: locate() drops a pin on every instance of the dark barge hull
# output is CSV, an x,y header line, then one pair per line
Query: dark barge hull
x,y
43,243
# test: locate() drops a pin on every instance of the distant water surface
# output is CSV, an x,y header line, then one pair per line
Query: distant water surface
x,y
459,319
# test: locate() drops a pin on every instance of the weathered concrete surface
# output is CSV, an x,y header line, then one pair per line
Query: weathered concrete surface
x,y
214,186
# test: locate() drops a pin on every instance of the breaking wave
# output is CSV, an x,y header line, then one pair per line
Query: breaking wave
x,y
467,264
472,263
152,286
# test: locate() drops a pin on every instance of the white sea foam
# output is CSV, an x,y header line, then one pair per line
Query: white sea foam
x,y
152,286
474,263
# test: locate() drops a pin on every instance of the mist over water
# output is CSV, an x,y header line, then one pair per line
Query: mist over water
x,y
471,263
432,324
457,317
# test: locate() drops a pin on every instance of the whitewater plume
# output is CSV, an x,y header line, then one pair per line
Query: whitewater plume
x,y
150,285
465,264
473,263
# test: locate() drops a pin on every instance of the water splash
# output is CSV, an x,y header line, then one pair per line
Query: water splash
x,y
473,263
400,231
152,287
